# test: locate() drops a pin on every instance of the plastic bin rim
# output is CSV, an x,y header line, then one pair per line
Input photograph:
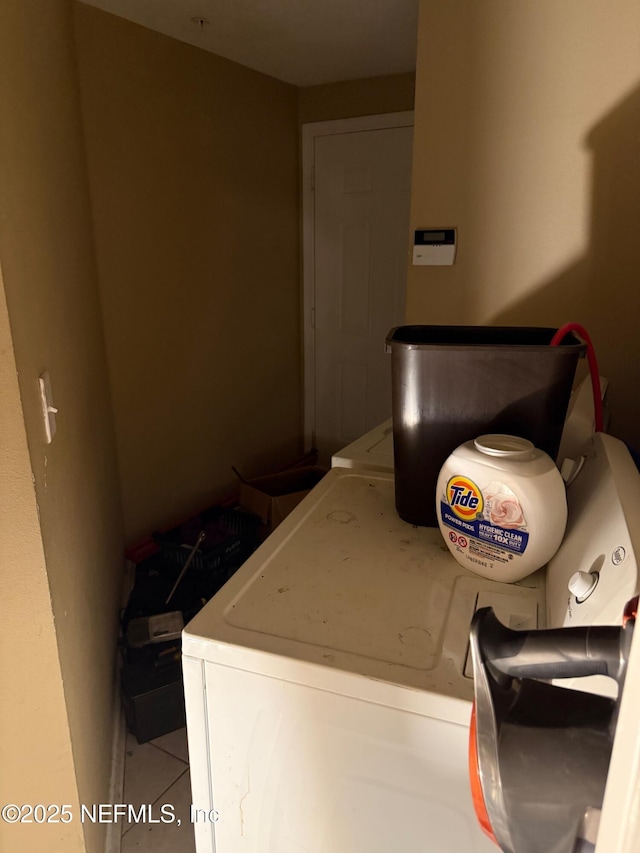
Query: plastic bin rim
x,y
570,344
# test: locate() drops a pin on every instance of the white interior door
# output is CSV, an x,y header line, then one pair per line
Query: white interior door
x,y
360,235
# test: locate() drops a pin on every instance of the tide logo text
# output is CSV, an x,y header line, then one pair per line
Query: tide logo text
x,y
464,497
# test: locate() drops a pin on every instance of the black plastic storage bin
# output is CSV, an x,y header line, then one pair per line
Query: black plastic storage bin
x,y
230,537
451,384
153,699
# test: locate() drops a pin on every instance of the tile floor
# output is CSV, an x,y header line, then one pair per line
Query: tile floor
x,y
157,773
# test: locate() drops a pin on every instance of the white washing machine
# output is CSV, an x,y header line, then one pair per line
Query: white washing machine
x,y
373,451
328,686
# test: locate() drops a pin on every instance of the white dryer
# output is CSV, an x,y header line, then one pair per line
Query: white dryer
x,y
328,685
373,451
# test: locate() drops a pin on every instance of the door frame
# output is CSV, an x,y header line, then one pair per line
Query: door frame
x,y
310,132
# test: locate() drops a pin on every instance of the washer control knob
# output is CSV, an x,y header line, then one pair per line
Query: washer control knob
x,y
582,584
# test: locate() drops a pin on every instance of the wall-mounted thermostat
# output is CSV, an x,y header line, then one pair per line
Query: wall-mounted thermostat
x,y
434,246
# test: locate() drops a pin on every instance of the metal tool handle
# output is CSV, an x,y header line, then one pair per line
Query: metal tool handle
x,y
199,541
547,654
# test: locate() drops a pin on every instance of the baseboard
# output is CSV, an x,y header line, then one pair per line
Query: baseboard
x,y
113,843
116,783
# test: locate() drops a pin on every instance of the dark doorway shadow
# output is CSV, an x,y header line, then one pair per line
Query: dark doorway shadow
x,y
602,290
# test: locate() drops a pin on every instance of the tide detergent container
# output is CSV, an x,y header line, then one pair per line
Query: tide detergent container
x,y
501,506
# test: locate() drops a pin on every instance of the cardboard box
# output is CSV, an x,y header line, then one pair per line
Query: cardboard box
x,y
272,498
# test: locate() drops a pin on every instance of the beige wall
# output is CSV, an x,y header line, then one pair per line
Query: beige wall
x,y
526,139
370,96
193,169
35,742
61,576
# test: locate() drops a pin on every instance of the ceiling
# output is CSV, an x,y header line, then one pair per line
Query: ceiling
x,y
303,42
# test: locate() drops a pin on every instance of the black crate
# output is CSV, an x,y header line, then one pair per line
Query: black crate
x,y
230,537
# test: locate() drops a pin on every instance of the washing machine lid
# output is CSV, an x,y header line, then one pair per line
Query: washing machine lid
x,y
371,452
344,588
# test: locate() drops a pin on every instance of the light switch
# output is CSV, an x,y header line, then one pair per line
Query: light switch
x,y
48,409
